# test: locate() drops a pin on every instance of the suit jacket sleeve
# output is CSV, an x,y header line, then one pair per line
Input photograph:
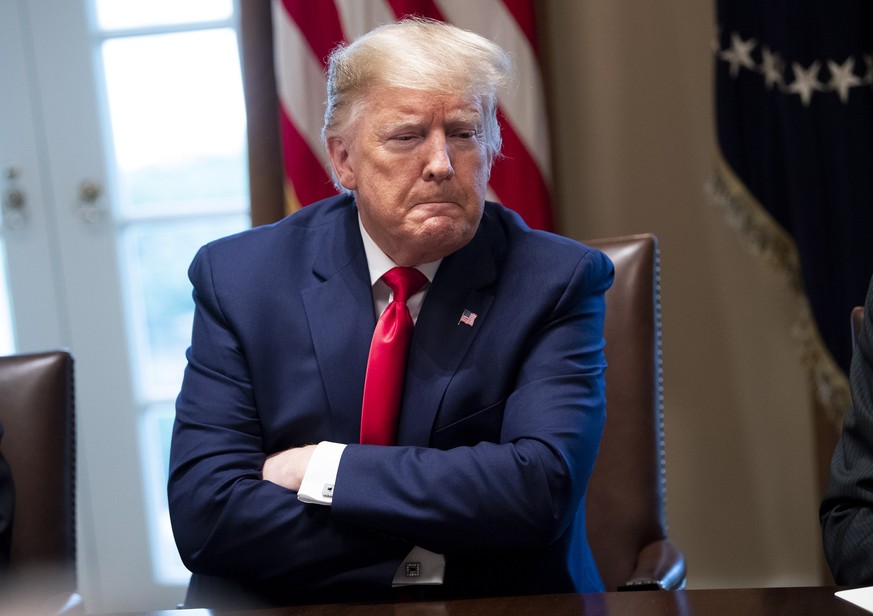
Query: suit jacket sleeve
x,y
847,507
227,521
521,489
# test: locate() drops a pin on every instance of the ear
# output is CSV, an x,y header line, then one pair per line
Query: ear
x,y
339,160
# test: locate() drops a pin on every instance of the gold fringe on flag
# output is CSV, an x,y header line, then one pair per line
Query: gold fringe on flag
x,y
292,203
765,238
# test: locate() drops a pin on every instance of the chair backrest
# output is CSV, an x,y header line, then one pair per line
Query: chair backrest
x,y
37,415
857,317
626,494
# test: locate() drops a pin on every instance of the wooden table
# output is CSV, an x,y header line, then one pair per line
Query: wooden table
x,y
819,601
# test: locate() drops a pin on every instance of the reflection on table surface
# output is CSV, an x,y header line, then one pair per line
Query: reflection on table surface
x,y
803,601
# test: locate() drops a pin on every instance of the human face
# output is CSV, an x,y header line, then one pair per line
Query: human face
x,y
419,168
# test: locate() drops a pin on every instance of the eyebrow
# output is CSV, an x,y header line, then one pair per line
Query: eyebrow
x,y
409,120
401,124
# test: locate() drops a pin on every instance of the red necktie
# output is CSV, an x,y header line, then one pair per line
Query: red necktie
x,y
387,363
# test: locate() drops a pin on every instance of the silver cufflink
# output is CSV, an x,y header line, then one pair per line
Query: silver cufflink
x,y
327,490
413,569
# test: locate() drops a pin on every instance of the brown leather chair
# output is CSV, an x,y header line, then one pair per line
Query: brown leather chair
x,y
37,415
627,523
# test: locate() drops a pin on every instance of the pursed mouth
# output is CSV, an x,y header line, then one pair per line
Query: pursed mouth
x,y
436,203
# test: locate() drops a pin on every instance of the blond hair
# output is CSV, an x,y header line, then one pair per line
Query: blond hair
x,y
421,54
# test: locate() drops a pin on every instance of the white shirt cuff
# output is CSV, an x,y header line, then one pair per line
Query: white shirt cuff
x,y
320,476
421,567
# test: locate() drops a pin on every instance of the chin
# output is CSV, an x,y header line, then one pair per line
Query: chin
x,y
443,239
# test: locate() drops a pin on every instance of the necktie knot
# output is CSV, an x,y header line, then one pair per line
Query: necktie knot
x,y
405,282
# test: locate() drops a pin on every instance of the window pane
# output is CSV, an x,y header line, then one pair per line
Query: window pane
x,y
160,309
116,14
156,427
178,123
7,338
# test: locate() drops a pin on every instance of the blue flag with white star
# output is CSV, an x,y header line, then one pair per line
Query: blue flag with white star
x,y
794,108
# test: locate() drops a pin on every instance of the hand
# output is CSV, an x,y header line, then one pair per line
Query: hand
x,y
287,468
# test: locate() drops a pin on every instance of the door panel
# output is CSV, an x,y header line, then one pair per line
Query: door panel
x,y
98,262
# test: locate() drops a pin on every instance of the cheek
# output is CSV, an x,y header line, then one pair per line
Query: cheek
x,y
478,169
391,174
480,176
387,193
484,176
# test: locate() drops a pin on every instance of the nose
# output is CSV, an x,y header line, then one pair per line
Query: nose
x,y
438,165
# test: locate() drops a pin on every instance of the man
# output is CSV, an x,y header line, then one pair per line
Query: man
x,y
847,508
276,493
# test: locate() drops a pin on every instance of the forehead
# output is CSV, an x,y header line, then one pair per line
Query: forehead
x,y
392,104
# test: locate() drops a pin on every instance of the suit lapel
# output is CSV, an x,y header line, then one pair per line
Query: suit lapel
x,y
339,311
464,281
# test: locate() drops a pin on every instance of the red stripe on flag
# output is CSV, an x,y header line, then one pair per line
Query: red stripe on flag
x,y
320,24
517,181
302,168
422,8
525,17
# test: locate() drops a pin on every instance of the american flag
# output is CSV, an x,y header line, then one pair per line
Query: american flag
x,y
305,31
468,318
795,131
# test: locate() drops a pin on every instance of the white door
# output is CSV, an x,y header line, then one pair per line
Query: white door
x,y
122,150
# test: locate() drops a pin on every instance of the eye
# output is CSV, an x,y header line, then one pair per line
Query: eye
x,y
403,137
466,133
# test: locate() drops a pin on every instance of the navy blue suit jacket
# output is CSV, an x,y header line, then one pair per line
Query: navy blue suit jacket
x,y
500,421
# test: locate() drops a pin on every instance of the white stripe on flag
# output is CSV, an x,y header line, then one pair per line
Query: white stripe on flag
x,y
300,80
358,17
524,107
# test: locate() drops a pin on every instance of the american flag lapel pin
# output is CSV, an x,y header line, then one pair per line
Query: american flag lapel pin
x,y
468,318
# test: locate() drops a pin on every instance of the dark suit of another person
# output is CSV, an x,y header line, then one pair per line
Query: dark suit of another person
x,y
847,508
7,509
499,429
